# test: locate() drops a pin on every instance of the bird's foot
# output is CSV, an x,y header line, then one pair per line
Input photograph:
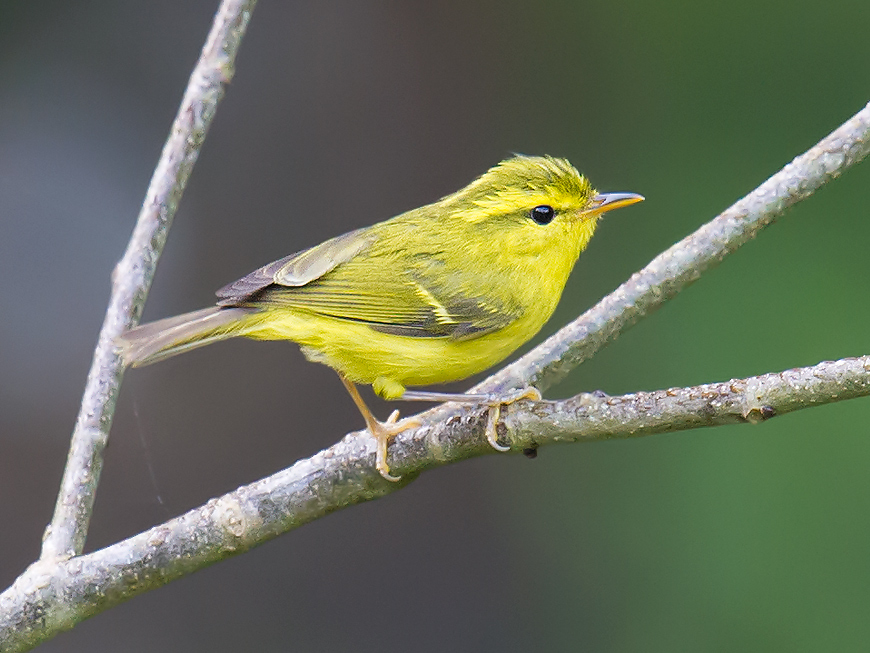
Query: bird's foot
x,y
530,393
383,432
493,402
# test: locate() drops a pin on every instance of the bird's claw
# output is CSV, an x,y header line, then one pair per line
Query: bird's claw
x,y
530,393
383,432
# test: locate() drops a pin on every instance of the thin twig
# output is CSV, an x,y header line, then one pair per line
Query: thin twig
x,y
66,534
682,264
52,596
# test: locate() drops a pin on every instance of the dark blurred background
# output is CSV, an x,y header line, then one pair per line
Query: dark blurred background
x,y
342,114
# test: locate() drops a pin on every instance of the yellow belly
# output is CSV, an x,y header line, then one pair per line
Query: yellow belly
x,y
367,356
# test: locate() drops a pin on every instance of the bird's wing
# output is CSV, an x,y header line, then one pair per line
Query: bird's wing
x,y
297,269
390,291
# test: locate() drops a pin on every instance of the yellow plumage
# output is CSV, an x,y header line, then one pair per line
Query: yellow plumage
x,y
433,295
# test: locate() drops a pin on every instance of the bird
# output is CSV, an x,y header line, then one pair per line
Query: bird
x,y
433,295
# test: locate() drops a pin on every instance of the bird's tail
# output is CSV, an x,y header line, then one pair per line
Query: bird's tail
x,y
152,342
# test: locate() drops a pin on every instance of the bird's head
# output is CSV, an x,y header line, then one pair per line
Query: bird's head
x,y
536,205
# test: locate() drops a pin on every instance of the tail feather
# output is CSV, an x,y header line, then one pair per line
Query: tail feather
x,y
156,341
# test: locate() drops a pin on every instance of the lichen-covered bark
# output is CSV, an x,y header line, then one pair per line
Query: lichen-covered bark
x,y
753,400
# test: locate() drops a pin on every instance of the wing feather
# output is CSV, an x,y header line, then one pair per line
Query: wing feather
x,y
297,269
417,296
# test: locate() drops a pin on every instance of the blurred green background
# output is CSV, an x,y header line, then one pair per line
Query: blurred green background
x,y
750,538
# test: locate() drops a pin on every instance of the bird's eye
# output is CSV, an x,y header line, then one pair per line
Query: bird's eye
x,y
542,214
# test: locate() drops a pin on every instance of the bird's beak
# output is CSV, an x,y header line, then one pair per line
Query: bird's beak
x,y
604,202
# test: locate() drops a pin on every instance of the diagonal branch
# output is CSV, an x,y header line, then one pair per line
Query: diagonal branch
x,y
682,264
52,596
65,536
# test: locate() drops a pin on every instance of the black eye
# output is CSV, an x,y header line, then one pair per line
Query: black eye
x,y
542,214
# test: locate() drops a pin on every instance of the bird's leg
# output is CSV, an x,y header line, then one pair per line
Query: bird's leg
x,y
494,402
382,432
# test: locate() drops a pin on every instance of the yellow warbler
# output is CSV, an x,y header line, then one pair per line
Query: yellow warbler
x,y
433,295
